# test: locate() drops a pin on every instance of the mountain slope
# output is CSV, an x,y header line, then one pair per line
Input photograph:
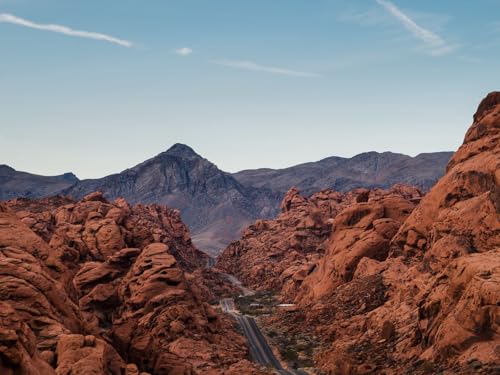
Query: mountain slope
x,y
218,205
368,170
21,184
402,284
94,287
214,204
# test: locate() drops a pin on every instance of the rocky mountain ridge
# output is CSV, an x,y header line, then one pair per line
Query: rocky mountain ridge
x,y
218,205
213,203
14,184
366,170
100,287
403,283
278,254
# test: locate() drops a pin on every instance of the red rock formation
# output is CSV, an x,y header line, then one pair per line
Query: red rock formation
x,y
18,346
88,286
423,299
270,248
455,233
361,231
94,229
279,254
78,354
399,289
142,302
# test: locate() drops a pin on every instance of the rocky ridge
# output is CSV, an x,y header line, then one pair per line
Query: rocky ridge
x,y
400,286
99,287
367,170
214,204
278,254
14,184
217,205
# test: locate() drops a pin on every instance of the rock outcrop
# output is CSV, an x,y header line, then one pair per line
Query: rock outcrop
x,y
279,254
213,203
98,287
94,229
403,284
438,278
217,205
143,303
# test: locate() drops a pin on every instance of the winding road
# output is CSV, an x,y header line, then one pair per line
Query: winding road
x,y
260,350
210,262
237,283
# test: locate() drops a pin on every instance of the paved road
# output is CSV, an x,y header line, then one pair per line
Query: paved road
x,y
210,262
233,280
260,350
228,306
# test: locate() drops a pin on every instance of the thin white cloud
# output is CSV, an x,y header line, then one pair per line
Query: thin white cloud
x,y
364,18
435,45
250,65
184,51
9,18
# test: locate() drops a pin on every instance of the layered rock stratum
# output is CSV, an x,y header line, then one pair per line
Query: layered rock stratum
x,y
401,283
99,287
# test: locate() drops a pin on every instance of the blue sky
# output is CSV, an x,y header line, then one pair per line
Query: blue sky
x,y
246,83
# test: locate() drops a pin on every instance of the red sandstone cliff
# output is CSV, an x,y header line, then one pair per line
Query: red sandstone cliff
x,y
398,287
438,281
94,287
279,254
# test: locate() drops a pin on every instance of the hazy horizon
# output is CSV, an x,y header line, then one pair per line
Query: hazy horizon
x,y
94,88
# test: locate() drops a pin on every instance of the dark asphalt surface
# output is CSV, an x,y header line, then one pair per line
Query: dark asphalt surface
x,y
260,350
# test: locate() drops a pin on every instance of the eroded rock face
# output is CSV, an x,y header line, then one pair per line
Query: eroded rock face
x,y
441,275
361,231
94,229
18,346
94,287
408,285
142,301
414,289
455,233
460,314
27,286
279,254
81,355
269,249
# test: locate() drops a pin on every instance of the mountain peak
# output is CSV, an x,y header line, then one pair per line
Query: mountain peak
x,y
487,104
69,176
6,170
182,150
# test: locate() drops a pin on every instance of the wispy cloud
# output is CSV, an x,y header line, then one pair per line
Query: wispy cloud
x,y
184,51
372,17
434,44
9,18
250,65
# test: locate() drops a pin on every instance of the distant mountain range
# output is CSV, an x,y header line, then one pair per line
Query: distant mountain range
x,y
213,203
218,205
21,184
369,170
